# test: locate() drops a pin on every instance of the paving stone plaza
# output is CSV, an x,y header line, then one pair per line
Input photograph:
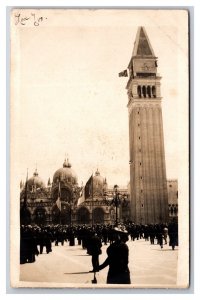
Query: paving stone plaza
x,y
150,266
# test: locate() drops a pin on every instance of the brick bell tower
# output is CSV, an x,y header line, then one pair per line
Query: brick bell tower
x,y
148,184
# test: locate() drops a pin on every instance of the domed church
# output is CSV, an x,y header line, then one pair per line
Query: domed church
x,y
64,202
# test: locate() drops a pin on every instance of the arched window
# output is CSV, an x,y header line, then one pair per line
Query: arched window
x,y
144,92
154,91
149,91
175,210
139,91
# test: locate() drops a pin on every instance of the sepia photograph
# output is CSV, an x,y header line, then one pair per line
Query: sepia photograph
x,y
99,148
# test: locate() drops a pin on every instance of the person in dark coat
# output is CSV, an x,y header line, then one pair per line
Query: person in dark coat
x,y
95,250
173,234
71,236
117,259
159,234
152,233
28,245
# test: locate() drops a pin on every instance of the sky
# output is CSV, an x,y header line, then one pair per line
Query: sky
x,y
67,99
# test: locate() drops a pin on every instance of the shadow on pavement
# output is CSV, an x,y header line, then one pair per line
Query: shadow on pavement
x,y
77,273
164,249
81,255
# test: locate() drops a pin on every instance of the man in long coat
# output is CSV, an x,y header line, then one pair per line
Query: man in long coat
x,y
94,249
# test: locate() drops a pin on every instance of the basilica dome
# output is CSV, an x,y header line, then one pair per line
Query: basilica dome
x,y
99,184
65,174
35,181
98,179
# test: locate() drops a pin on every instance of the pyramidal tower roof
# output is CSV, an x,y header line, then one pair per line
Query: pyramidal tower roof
x,y
142,45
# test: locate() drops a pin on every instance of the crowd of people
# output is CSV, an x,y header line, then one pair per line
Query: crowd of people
x,y
36,239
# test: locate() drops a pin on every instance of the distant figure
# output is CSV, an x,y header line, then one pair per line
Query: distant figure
x,y
45,240
152,233
159,234
71,237
173,234
165,234
117,259
94,248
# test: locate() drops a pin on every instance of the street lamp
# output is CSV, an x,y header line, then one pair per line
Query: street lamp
x,y
116,202
72,204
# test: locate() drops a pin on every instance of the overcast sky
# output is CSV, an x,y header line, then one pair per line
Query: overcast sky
x,y
70,101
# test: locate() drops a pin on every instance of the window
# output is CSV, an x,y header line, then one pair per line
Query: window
x,y
149,91
154,91
139,91
144,92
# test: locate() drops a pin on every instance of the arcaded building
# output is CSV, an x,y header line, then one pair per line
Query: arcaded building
x,y
172,188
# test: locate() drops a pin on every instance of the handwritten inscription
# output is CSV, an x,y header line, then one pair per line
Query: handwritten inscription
x,y
32,19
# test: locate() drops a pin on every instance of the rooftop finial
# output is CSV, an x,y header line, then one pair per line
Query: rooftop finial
x,y
66,164
27,174
97,173
35,173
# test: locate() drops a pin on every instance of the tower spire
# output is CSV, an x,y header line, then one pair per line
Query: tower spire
x,y
142,46
143,62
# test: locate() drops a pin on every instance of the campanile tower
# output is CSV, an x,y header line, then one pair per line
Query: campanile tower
x,y
149,203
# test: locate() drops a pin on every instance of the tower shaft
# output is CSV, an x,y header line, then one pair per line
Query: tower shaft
x,y
148,184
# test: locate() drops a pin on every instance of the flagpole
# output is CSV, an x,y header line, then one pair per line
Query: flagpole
x,y
59,195
25,198
92,203
23,217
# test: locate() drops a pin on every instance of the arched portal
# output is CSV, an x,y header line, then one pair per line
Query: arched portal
x,y
25,216
63,217
83,215
40,216
98,215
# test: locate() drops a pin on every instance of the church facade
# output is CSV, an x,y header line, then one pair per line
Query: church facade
x,y
38,202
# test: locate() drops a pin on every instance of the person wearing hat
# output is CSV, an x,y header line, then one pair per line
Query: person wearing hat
x,y
117,259
94,249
